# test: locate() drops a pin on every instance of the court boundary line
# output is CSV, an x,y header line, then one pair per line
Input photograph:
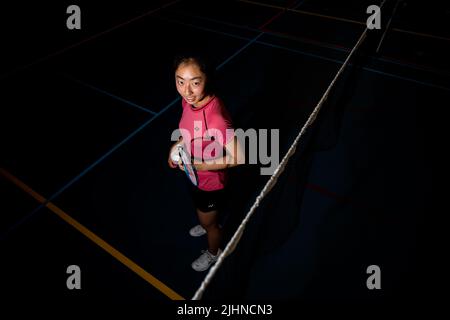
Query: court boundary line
x,y
47,202
127,262
321,44
61,213
235,239
117,146
174,101
104,92
320,57
87,169
420,34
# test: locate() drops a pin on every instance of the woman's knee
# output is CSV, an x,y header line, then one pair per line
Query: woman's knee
x,y
208,225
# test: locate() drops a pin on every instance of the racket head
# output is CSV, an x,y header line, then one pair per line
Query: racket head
x,y
188,166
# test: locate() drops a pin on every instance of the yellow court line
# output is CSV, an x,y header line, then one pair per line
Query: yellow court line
x,y
94,238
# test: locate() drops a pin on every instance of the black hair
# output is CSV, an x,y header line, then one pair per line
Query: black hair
x,y
204,64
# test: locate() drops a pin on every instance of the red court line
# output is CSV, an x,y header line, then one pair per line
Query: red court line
x,y
328,45
95,36
271,20
389,59
421,34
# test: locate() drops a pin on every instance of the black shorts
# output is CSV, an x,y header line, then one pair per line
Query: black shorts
x,y
207,201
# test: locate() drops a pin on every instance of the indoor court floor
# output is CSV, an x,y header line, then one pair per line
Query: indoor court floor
x,y
86,118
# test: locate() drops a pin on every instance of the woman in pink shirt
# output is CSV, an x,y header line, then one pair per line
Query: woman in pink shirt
x,y
206,118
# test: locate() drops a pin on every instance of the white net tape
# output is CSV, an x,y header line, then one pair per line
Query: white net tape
x,y
274,178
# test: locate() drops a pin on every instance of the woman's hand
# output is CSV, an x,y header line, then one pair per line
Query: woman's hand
x,y
172,164
234,156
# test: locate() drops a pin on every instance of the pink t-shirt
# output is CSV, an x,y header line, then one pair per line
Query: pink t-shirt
x,y
206,130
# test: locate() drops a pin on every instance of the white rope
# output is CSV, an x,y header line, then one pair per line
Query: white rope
x,y
274,178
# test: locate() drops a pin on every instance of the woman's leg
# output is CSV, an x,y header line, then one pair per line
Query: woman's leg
x,y
209,221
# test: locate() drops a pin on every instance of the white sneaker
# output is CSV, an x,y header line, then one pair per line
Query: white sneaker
x,y
197,231
205,260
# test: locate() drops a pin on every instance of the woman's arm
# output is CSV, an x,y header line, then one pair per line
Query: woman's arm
x,y
234,156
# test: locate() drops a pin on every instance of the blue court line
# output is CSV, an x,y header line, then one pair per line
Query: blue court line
x,y
89,168
268,32
204,28
253,40
177,99
320,44
406,79
364,68
425,83
240,50
108,94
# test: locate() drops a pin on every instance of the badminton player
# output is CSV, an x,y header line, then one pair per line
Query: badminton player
x,y
205,116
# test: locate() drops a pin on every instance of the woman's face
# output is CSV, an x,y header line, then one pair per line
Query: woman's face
x,y
190,81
